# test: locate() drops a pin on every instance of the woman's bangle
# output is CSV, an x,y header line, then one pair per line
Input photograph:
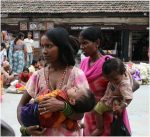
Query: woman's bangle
x,y
67,110
23,131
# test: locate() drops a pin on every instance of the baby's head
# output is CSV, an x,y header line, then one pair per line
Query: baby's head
x,y
113,69
81,100
25,71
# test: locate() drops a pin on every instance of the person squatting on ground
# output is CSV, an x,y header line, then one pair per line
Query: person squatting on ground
x,y
24,76
7,75
119,87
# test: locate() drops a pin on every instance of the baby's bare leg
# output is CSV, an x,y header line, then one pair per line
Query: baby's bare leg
x,y
99,125
99,121
99,110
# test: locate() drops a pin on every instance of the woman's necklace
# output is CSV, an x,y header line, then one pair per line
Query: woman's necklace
x,y
48,82
92,62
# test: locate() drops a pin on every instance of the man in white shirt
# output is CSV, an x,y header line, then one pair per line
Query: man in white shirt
x,y
29,43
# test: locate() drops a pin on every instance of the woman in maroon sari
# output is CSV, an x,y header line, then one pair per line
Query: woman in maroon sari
x,y
92,67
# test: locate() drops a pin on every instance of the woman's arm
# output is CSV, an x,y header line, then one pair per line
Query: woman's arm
x,y
31,130
52,105
35,130
11,77
24,100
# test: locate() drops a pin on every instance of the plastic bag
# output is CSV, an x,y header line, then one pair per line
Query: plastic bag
x,y
118,127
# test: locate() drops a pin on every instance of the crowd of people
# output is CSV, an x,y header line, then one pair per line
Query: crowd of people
x,y
67,93
16,59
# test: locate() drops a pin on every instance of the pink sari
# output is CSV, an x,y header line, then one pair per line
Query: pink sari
x,y
98,85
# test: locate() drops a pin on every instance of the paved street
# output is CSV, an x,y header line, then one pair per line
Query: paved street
x,y
138,111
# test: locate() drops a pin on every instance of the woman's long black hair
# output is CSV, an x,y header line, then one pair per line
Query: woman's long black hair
x,y
92,34
60,37
19,36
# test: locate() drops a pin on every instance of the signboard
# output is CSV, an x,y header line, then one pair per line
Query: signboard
x,y
86,26
79,27
4,15
137,27
49,25
33,26
23,26
36,34
41,26
107,28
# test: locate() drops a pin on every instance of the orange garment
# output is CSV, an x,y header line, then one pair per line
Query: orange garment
x,y
55,119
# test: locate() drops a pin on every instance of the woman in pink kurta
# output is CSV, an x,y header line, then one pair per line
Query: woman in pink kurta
x,y
92,67
37,86
58,74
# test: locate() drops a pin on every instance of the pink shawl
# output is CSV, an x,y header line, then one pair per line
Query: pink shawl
x,y
95,71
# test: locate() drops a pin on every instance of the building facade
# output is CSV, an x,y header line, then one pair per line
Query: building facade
x,y
124,24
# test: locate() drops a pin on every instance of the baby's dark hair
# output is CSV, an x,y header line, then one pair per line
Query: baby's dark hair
x,y
91,33
85,103
75,44
113,65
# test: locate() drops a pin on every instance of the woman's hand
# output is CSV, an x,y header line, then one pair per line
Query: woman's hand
x,y
50,104
35,130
